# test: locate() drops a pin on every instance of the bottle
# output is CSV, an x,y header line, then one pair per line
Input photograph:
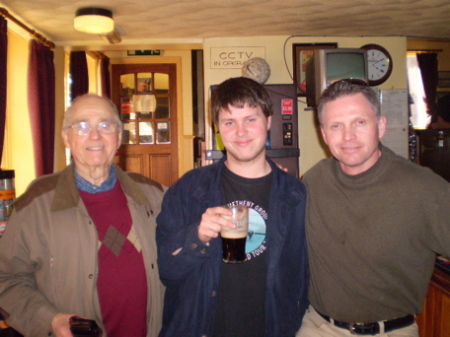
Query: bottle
x,y
7,195
440,139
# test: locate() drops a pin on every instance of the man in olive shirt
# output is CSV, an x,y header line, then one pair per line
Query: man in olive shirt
x,y
375,222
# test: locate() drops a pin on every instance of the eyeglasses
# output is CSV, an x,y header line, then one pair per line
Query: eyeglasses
x,y
84,128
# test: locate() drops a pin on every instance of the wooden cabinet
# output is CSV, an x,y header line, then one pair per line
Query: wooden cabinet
x,y
434,321
434,150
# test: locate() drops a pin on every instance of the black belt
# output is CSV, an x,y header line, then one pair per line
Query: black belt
x,y
371,328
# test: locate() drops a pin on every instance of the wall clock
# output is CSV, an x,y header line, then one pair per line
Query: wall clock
x,y
379,64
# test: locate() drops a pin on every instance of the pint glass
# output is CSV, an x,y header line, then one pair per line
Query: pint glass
x,y
233,240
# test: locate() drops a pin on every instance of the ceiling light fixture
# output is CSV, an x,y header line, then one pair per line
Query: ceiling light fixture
x,y
94,20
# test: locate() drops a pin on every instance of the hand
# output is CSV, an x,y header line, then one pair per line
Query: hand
x,y
60,325
212,222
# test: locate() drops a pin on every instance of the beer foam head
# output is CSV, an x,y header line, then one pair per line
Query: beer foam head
x,y
240,219
229,233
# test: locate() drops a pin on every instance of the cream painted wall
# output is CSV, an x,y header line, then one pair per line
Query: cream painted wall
x,y
19,152
278,53
92,64
182,58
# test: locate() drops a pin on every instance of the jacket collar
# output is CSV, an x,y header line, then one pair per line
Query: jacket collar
x,y
131,188
67,195
66,192
209,196
280,187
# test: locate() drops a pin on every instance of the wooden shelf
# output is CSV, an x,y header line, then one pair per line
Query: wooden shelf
x,y
434,321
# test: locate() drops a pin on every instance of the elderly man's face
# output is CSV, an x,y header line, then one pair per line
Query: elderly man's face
x,y
95,150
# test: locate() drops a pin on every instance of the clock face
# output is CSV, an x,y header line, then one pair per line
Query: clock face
x,y
379,64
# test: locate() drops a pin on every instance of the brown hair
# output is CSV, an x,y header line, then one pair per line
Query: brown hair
x,y
345,88
237,92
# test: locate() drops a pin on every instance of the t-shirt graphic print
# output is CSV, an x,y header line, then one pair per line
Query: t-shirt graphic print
x,y
256,238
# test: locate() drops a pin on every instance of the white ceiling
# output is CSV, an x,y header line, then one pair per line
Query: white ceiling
x,y
192,20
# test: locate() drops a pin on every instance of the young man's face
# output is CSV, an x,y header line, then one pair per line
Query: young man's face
x,y
352,132
244,133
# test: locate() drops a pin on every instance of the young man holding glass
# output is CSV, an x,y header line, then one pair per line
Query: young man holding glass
x,y
266,294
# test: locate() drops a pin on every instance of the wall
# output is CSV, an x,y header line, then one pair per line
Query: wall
x,y
18,152
278,53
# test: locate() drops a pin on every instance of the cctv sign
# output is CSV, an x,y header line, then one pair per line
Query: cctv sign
x,y
234,57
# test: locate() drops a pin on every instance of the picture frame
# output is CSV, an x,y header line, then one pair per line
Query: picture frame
x,y
443,79
302,53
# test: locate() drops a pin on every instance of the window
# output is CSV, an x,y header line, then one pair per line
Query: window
x,y
419,117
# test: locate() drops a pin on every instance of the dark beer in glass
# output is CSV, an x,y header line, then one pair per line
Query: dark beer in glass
x,y
233,240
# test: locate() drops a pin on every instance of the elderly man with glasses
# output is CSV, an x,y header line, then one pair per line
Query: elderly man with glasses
x,y
81,242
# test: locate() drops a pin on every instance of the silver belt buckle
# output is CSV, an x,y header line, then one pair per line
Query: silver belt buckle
x,y
352,328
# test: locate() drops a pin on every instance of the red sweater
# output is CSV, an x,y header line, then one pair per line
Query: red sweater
x,y
121,284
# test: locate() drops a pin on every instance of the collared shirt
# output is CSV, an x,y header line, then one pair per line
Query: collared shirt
x,y
86,186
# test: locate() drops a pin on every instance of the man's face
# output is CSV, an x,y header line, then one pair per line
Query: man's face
x,y
244,132
352,132
95,150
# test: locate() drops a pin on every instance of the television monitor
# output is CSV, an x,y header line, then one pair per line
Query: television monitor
x,y
330,65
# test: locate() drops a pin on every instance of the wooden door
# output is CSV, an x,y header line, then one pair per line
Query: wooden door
x,y
146,96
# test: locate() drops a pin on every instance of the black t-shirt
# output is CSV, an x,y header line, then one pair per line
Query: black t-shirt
x,y
241,296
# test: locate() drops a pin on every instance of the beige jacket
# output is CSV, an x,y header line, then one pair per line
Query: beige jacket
x,y
48,254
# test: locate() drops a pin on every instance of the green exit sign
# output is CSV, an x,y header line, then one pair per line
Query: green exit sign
x,y
144,52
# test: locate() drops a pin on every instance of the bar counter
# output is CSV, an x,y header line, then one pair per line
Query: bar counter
x,y
434,321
